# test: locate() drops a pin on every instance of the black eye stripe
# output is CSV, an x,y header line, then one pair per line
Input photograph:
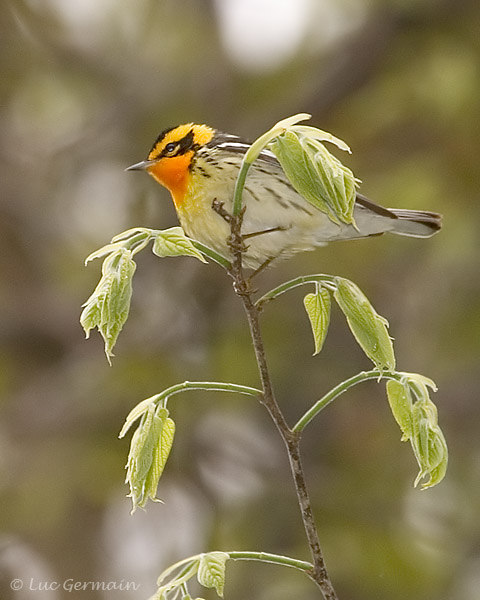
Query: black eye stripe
x,y
180,146
186,143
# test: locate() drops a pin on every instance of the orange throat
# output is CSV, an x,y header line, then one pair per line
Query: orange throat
x,y
174,174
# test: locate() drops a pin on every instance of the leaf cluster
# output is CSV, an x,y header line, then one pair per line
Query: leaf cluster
x,y
108,307
417,417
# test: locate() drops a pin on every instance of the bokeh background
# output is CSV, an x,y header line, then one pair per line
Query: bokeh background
x,y
85,88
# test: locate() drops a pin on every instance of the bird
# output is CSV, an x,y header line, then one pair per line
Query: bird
x,y
199,166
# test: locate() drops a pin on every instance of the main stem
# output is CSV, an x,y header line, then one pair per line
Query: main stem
x,y
291,438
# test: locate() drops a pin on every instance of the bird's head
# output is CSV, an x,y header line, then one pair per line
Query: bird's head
x,y
171,157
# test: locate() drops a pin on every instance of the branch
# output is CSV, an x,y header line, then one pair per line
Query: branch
x,y
318,572
293,283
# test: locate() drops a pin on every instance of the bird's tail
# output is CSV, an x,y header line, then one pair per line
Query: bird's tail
x,y
415,223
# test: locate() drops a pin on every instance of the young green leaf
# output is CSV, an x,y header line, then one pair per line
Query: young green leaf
x,y
211,571
109,305
174,242
109,249
307,132
318,307
254,150
419,384
338,180
166,432
401,404
428,442
140,457
134,233
136,413
315,173
149,450
368,327
300,170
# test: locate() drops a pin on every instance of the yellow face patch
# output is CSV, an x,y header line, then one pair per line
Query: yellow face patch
x,y
198,135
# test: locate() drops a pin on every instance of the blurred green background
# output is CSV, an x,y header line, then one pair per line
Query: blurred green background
x,y
85,88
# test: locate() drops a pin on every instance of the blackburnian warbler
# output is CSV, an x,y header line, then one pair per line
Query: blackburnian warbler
x,y
199,164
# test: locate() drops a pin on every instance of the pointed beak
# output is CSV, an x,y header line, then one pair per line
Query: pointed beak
x,y
141,166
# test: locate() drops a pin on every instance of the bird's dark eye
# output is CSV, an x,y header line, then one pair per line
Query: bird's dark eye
x,y
170,148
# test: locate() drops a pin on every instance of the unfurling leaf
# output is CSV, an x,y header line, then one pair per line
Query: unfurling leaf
x,y
175,578
401,403
160,455
109,305
174,242
315,173
136,413
211,571
428,443
318,307
368,327
149,450
105,250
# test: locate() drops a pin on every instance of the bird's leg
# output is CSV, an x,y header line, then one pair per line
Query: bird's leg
x,y
218,207
235,239
255,233
235,242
